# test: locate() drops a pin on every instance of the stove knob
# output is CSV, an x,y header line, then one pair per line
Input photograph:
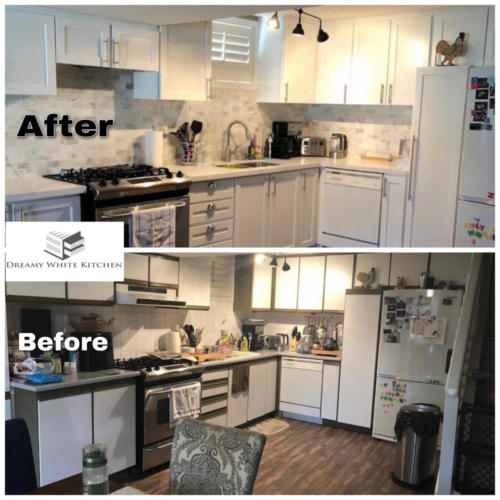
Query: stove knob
x,y
156,367
102,183
169,175
148,369
115,181
179,174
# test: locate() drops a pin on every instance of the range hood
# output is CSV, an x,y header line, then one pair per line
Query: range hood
x,y
152,296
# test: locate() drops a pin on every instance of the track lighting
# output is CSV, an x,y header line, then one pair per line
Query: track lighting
x,y
322,35
273,23
298,30
286,266
274,261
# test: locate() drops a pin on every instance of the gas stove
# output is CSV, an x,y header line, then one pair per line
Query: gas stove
x,y
119,181
155,369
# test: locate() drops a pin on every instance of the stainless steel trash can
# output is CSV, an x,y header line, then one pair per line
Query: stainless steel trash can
x,y
417,429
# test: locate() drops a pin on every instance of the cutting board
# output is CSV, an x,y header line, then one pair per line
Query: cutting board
x,y
208,356
322,352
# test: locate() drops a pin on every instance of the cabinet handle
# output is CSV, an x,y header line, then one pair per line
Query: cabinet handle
x,y
210,207
384,187
211,185
273,180
115,46
382,87
303,180
286,92
102,51
390,93
410,182
210,228
209,89
345,93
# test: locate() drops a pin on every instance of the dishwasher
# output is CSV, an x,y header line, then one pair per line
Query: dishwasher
x,y
350,208
300,389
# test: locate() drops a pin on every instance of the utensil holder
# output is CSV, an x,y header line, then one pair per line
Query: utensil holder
x,y
187,153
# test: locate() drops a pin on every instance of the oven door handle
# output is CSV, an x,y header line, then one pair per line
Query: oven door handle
x,y
159,447
127,214
156,393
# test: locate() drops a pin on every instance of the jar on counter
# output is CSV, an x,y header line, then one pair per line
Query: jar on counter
x,y
95,470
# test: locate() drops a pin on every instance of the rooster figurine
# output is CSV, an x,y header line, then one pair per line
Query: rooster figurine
x,y
366,278
449,52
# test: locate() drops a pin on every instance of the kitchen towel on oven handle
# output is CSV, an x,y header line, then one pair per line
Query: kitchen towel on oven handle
x,y
153,227
186,401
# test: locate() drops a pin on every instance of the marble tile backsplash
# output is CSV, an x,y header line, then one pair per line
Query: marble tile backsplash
x,y
98,93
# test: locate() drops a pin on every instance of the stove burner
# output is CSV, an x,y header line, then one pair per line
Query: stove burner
x,y
149,363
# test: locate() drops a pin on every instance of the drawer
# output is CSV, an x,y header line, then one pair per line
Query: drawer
x,y
216,418
208,211
215,375
219,244
299,409
208,234
214,404
211,190
207,392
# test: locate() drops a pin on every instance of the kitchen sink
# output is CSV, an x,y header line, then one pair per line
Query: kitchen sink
x,y
247,164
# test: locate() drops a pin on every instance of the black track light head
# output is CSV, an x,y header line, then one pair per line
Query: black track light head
x,y
274,262
322,35
286,266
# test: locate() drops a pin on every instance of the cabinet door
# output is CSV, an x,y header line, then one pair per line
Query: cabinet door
x,y
195,278
330,391
489,53
262,284
392,214
257,389
287,285
114,424
64,427
410,40
91,291
282,210
271,384
135,47
307,208
380,261
163,270
30,63
334,64
36,289
370,62
136,267
237,405
299,60
311,283
452,267
64,209
84,41
250,226
338,278
409,265
448,22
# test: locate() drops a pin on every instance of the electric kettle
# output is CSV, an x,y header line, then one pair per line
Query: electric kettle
x,y
338,146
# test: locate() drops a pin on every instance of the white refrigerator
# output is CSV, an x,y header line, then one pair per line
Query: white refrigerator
x,y
476,200
417,331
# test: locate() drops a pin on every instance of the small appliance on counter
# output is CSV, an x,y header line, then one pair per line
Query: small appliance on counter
x,y
283,342
254,328
269,343
313,146
92,360
306,344
286,142
338,146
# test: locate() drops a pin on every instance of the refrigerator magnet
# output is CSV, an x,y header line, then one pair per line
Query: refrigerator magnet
x,y
491,80
435,331
492,103
482,94
474,82
481,106
492,91
482,83
391,307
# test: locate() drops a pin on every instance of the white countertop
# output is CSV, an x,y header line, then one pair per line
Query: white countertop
x,y
76,379
34,187
209,171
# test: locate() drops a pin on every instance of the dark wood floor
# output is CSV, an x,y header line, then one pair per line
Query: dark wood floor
x,y
312,459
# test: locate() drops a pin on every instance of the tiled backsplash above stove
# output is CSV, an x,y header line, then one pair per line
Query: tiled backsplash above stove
x,y
96,93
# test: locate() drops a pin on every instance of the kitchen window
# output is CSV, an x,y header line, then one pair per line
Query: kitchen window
x,y
233,52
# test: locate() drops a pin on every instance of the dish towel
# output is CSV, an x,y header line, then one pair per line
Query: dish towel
x,y
240,378
185,401
153,227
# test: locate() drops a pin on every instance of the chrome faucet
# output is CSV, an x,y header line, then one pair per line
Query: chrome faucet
x,y
227,135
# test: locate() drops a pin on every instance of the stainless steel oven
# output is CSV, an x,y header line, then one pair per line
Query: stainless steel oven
x,y
158,423
118,213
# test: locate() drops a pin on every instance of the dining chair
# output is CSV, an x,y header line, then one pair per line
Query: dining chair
x,y
213,460
20,474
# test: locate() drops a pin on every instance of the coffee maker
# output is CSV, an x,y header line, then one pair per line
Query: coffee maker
x,y
286,141
254,327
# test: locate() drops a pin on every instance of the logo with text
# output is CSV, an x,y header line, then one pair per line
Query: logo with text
x,y
64,245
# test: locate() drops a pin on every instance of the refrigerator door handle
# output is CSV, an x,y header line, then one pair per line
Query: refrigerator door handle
x,y
449,353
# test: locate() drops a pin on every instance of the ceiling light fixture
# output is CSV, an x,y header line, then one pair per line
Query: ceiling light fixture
x,y
260,258
273,23
299,31
274,262
286,266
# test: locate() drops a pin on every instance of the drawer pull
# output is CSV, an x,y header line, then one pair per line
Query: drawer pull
x,y
210,228
210,207
211,185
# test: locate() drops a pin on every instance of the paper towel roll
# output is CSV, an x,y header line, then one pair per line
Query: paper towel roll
x,y
154,148
173,341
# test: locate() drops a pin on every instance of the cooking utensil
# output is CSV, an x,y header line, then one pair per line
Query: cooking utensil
x,y
196,128
184,132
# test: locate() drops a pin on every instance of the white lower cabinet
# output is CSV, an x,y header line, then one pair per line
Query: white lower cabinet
x,y
330,391
114,424
63,209
306,216
393,211
64,427
282,210
262,388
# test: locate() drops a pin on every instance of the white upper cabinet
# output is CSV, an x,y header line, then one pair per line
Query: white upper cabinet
x,y
135,47
409,266
489,53
338,278
38,289
450,21
184,50
84,41
311,283
136,267
93,291
334,64
30,65
287,282
370,62
195,278
262,284
163,270
410,41
299,60
381,262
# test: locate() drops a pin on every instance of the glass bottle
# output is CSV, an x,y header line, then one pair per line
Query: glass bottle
x,y
94,470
